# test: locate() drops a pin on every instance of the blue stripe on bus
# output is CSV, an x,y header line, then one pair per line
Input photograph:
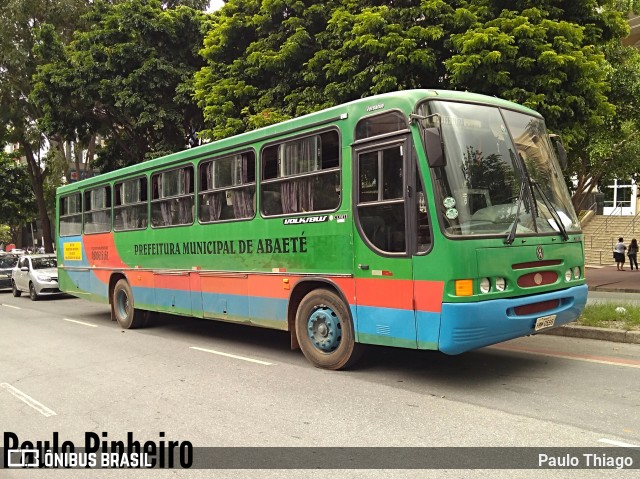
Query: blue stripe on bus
x,y
213,304
474,325
385,322
428,329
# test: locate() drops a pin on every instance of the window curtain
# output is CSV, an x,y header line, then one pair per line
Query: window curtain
x,y
126,218
165,210
165,207
185,210
299,156
243,197
213,208
243,203
297,195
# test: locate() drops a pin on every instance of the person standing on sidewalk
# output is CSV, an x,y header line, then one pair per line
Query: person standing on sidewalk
x,y
632,253
618,254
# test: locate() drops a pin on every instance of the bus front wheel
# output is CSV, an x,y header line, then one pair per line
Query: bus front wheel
x,y
325,331
122,305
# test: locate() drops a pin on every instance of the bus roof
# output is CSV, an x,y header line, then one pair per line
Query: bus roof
x,y
404,99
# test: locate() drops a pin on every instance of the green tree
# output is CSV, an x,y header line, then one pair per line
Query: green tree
x,y
126,77
272,60
19,22
282,58
17,201
612,150
5,234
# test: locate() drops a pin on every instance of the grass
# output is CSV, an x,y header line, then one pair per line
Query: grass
x,y
616,315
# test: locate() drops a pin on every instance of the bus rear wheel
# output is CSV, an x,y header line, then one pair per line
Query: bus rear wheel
x,y
325,331
122,305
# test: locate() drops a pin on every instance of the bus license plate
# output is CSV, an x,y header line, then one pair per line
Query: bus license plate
x,y
545,322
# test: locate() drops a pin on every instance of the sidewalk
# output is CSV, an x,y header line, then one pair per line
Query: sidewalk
x,y
606,279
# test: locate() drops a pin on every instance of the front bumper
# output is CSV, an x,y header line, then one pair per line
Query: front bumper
x,y
473,325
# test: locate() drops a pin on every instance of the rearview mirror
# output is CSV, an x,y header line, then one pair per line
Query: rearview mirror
x,y
434,150
561,152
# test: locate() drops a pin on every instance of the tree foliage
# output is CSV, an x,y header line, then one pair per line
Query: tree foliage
x,y
127,77
17,201
293,57
612,150
270,60
20,20
132,73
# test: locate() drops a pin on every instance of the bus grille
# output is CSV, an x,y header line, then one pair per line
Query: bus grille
x,y
535,308
538,278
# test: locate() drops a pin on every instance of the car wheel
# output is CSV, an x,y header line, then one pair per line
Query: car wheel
x,y
16,292
32,292
325,331
122,305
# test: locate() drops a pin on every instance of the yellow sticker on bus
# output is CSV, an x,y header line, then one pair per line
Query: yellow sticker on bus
x,y
73,251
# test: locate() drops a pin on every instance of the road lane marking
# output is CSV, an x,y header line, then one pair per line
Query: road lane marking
x,y
257,361
28,400
10,306
79,322
628,363
617,443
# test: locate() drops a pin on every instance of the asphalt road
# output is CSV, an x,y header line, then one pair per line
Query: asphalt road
x,y
216,384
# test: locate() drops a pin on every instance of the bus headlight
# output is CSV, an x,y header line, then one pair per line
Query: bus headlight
x,y
485,285
576,273
568,275
501,284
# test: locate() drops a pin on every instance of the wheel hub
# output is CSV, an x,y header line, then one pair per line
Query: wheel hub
x,y
324,329
123,304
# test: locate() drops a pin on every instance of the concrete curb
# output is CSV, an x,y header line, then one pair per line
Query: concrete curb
x,y
604,289
603,334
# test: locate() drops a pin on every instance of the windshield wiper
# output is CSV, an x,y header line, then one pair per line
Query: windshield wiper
x,y
552,211
512,234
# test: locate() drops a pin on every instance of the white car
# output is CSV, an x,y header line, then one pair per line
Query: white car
x,y
36,275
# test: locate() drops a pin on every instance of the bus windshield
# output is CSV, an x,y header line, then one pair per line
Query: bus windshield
x,y
501,175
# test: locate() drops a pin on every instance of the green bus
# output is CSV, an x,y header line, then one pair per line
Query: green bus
x,y
421,219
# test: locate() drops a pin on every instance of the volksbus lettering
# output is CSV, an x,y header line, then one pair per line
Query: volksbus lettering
x,y
310,219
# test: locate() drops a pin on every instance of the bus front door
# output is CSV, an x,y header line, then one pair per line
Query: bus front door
x,y
383,185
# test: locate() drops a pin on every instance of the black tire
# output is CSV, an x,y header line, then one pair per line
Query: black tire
x,y
32,293
15,291
122,305
325,331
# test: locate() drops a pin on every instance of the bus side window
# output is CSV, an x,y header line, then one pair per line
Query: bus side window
x,y
301,175
97,216
227,188
130,206
71,215
172,197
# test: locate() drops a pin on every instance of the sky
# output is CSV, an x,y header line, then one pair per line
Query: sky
x,y
215,5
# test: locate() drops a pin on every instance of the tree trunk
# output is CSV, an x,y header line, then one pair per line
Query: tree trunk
x,y
37,182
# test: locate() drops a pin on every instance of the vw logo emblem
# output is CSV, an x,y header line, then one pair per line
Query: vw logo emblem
x,y
539,252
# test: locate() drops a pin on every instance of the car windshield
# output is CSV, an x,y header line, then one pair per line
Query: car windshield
x,y
499,165
8,261
44,263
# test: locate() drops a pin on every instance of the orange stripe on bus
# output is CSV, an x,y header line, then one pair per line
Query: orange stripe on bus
x,y
377,292
100,250
384,293
429,295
